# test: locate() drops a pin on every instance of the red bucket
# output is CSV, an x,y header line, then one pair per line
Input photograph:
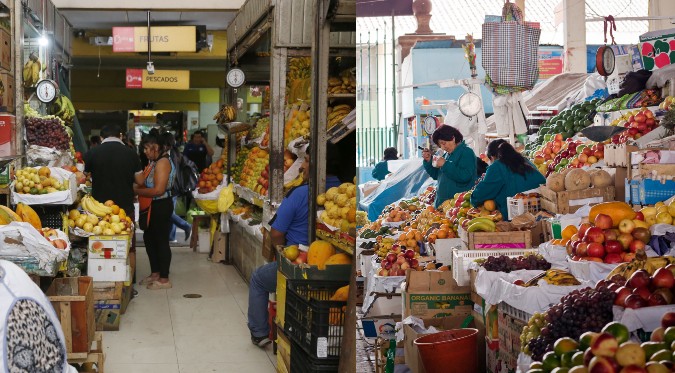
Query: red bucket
x,y
451,351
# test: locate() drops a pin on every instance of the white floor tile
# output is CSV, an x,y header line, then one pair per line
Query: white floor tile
x,y
141,368
213,348
255,366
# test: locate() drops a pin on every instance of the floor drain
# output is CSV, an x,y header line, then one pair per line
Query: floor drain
x,y
192,296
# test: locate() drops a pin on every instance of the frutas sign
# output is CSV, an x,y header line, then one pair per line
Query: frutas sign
x,y
163,39
161,79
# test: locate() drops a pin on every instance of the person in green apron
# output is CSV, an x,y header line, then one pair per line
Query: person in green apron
x,y
381,169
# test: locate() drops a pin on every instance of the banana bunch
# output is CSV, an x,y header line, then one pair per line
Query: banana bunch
x,y
63,108
481,225
345,83
385,246
560,278
227,113
300,68
95,207
31,70
336,114
293,183
641,261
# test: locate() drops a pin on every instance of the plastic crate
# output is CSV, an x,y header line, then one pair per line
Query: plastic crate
x,y
461,259
304,363
632,192
51,216
518,206
312,320
652,191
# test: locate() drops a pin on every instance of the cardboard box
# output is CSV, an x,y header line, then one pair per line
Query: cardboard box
x,y
108,290
268,252
219,248
495,240
510,329
412,358
126,298
655,49
109,247
8,97
7,128
108,314
567,202
108,269
430,294
5,50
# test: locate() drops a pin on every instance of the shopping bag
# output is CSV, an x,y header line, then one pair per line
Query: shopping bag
x,y
510,51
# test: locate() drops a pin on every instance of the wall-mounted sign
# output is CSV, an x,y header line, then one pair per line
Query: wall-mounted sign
x,y
161,79
550,63
163,39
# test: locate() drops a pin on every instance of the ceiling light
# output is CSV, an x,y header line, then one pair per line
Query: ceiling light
x,y
44,41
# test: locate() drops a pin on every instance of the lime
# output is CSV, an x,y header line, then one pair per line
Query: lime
x,y
652,347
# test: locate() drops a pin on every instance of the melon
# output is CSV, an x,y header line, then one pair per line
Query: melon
x,y
319,252
340,258
616,210
556,182
601,178
577,179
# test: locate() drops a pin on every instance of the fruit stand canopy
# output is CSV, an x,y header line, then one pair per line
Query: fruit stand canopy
x,y
407,182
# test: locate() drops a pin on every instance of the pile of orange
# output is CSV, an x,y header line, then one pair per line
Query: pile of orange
x,y
410,238
211,177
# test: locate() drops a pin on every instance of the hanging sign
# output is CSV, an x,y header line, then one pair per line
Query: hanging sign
x,y
164,39
161,79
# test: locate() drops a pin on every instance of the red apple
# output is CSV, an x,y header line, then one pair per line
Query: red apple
x,y
625,239
639,278
519,282
391,257
666,294
621,294
671,268
663,278
613,247
642,234
611,234
600,364
636,245
582,249
588,151
594,234
582,229
603,221
613,258
656,300
639,216
635,301
596,250
668,320
643,292
400,260
640,118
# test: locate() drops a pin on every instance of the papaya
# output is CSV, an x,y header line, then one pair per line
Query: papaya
x,y
7,215
341,294
29,215
616,210
339,258
319,252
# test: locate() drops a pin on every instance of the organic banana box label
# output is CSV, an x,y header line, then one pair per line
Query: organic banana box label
x,y
435,294
109,247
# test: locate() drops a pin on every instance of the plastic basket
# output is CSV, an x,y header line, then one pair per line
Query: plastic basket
x,y
514,312
652,191
303,363
632,192
312,320
461,259
518,206
50,216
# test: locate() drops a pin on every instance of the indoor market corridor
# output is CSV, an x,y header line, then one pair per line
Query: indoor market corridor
x,y
163,332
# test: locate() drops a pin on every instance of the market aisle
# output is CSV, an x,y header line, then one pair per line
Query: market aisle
x,y
164,332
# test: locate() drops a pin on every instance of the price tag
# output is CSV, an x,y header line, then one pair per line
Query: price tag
x,y
322,347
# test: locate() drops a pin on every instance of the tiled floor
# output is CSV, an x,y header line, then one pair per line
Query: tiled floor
x,y
164,332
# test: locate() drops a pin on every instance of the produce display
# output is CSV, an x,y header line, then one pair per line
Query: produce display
x,y
31,180
298,82
345,83
32,70
638,122
100,218
321,254
507,264
568,122
396,262
297,125
255,174
211,177
238,166
48,131
227,113
340,206
336,114
63,108
260,128
647,288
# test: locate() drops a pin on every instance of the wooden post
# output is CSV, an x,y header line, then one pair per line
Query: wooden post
x,y
574,26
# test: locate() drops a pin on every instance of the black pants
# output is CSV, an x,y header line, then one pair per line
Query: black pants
x,y
156,237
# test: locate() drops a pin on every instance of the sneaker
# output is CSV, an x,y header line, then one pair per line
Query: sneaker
x,y
260,341
187,235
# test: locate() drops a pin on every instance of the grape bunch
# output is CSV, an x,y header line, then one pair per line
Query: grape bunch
x,y
260,127
578,312
507,264
47,131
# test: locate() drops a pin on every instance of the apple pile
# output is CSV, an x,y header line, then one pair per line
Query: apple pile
x,y
602,243
611,351
642,290
395,264
639,124
558,154
667,103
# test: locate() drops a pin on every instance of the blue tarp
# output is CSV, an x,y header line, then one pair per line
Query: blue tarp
x,y
407,182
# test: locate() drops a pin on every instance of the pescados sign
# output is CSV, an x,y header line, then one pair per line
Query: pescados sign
x,y
161,79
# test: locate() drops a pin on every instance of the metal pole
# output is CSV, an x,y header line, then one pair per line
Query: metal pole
x,y
370,114
384,74
393,78
377,78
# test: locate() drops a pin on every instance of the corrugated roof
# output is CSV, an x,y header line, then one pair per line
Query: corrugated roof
x,y
459,17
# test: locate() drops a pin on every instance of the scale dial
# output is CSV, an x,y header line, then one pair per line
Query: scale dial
x,y
47,90
605,60
235,78
430,124
469,104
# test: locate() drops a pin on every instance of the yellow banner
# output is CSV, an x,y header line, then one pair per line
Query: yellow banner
x,y
163,39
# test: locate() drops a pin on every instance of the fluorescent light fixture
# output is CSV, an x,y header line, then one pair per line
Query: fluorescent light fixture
x,y
44,41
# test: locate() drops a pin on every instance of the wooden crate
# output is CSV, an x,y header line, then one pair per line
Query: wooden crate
x,y
108,290
92,362
73,301
564,202
496,240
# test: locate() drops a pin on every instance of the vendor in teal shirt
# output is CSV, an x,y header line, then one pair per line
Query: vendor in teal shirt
x,y
509,174
456,169
381,169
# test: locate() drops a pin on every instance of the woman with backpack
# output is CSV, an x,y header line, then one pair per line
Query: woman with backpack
x,y
176,158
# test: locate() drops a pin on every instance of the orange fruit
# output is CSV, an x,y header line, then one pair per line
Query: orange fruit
x,y
431,238
490,205
442,234
569,231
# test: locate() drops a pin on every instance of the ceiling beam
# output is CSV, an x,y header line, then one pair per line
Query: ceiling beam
x,y
153,5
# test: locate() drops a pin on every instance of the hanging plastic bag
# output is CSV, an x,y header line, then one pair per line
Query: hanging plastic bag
x,y
226,198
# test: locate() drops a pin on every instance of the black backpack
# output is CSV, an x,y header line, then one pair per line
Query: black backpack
x,y
186,176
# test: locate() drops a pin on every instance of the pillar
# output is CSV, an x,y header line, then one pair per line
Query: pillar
x,y
660,8
574,30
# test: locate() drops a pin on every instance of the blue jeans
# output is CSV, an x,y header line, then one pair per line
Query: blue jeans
x,y
263,282
177,221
